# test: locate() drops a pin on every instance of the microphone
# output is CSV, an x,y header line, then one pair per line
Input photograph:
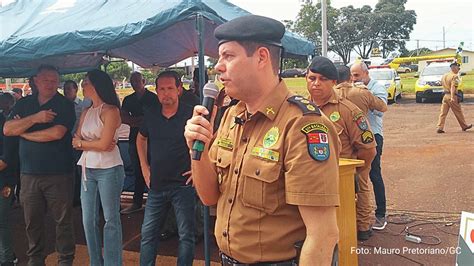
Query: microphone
x,y
210,92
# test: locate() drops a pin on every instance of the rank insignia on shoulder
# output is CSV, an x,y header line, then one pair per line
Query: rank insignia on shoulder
x,y
361,121
317,141
305,105
225,143
367,137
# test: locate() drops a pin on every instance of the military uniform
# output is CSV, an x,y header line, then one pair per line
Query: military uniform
x,y
450,79
268,163
361,97
355,134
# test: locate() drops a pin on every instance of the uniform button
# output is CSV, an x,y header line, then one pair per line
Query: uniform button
x,y
219,160
229,200
257,172
245,139
236,171
224,234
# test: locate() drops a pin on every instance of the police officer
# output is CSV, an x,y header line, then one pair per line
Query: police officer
x,y
450,82
354,132
358,94
272,169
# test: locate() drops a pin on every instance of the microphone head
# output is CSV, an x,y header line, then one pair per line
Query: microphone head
x,y
210,90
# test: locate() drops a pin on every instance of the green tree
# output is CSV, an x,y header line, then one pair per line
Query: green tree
x,y
357,29
396,24
77,77
118,70
148,76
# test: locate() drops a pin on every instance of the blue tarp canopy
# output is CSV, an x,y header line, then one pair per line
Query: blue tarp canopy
x,y
76,35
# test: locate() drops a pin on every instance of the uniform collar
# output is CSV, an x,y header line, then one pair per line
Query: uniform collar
x,y
270,106
332,99
343,85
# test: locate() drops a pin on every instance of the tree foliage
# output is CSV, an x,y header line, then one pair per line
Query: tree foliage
x,y
118,70
386,27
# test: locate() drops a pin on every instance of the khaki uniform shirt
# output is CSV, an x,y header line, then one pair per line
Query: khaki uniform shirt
x,y
447,81
351,124
265,170
361,97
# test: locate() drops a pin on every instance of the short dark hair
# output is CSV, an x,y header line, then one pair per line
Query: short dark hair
x,y
104,86
344,73
169,74
46,67
275,52
70,82
7,99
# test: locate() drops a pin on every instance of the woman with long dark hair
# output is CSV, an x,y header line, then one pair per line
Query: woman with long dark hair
x,y
102,168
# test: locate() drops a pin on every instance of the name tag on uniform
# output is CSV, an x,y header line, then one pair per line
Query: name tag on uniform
x,y
225,143
267,154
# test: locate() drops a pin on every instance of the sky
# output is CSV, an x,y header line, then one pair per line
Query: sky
x,y
456,16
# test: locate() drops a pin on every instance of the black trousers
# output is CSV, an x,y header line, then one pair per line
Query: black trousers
x,y
53,193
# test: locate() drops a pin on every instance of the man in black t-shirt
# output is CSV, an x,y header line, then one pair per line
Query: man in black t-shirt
x,y
166,165
132,114
44,121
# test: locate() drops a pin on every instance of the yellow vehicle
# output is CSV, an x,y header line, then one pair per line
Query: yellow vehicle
x,y
429,85
390,80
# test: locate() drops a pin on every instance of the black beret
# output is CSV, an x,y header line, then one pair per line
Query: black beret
x,y
324,66
251,28
454,64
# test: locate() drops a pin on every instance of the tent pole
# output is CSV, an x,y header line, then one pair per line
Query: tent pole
x,y
200,33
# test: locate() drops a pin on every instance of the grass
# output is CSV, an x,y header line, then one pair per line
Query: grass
x,y
298,85
408,81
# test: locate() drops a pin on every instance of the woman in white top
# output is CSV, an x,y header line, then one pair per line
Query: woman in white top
x,y
102,168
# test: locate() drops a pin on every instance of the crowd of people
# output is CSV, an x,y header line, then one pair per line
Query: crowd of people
x,y
270,164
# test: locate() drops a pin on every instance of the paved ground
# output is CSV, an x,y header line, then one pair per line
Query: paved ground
x,y
428,179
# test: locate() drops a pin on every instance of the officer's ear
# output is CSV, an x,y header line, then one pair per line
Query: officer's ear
x,y
263,56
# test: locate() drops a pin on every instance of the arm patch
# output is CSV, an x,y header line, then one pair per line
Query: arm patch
x,y
306,106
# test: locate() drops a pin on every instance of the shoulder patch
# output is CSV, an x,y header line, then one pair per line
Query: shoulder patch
x,y
317,141
305,105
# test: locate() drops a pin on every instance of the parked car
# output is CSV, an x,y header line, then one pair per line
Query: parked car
x,y
293,73
429,84
389,78
403,69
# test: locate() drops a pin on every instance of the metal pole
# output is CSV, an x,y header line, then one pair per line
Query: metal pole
x,y
444,38
324,29
200,31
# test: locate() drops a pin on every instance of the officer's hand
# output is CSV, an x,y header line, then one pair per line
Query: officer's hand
x,y
454,99
198,128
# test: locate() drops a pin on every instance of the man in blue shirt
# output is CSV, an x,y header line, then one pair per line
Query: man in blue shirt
x,y
360,73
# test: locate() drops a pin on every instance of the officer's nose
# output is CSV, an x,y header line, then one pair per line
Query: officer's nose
x,y
220,67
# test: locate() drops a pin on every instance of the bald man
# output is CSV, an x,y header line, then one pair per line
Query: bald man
x,y
360,73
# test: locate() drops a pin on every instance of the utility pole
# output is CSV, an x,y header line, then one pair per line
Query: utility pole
x,y
324,30
417,47
444,38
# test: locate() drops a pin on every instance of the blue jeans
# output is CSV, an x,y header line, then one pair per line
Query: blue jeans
x,y
183,199
6,243
377,180
103,186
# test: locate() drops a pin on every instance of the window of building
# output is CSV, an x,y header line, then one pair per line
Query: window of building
x,y
465,59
